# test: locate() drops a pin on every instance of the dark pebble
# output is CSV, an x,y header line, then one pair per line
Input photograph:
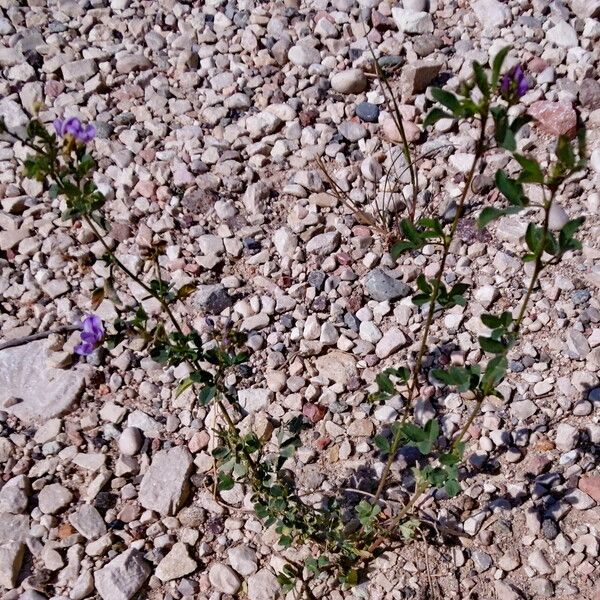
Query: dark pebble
x,y
317,279
368,112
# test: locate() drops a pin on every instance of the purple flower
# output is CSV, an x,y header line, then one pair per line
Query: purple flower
x,y
514,84
74,128
92,334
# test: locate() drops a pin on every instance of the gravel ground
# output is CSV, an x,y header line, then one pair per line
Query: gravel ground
x,y
210,117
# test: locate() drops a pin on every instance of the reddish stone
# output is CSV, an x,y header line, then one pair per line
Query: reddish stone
x,y
590,484
322,443
198,442
537,65
314,412
555,118
380,21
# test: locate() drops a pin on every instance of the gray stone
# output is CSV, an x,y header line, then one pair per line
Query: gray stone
x,y
562,34
303,55
523,409
392,340
589,93
352,131
11,557
482,560
368,112
285,241
255,400
123,576
54,498
165,484
14,116
263,586
14,495
492,13
224,579
409,21
79,70
351,81
337,366
243,560
44,392
586,8
558,217
177,563
131,441
380,286
87,520
577,344
538,561
213,298
417,75
324,243
566,437
13,528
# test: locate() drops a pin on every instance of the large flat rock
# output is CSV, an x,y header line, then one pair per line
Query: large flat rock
x,y
165,485
42,390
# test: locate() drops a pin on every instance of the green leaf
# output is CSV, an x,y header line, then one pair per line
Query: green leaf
x,y
481,79
382,443
497,64
400,248
532,172
492,346
489,214
512,190
494,373
452,487
564,152
206,395
224,482
491,321
384,383
435,115
423,285
447,99
534,237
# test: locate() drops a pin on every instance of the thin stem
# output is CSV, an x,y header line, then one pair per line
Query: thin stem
x,y
539,264
413,386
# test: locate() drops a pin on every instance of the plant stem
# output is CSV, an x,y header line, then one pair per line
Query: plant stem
x,y
480,149
539,264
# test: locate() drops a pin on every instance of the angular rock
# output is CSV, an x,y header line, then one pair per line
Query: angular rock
x,y
392,340
416,76
243,560
255,400
492,13
165,484
590,484
14,495
87,520
380,286
176,564
409,21
213,298
11,557
263,586
13,528
589,93
324,243
53,498
562,34
337,366
555,118
285,241
79,70
45,392
224,578
585,8
123,576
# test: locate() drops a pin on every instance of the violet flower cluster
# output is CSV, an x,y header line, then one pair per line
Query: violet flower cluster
x,y
74,128
92,334
514,84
